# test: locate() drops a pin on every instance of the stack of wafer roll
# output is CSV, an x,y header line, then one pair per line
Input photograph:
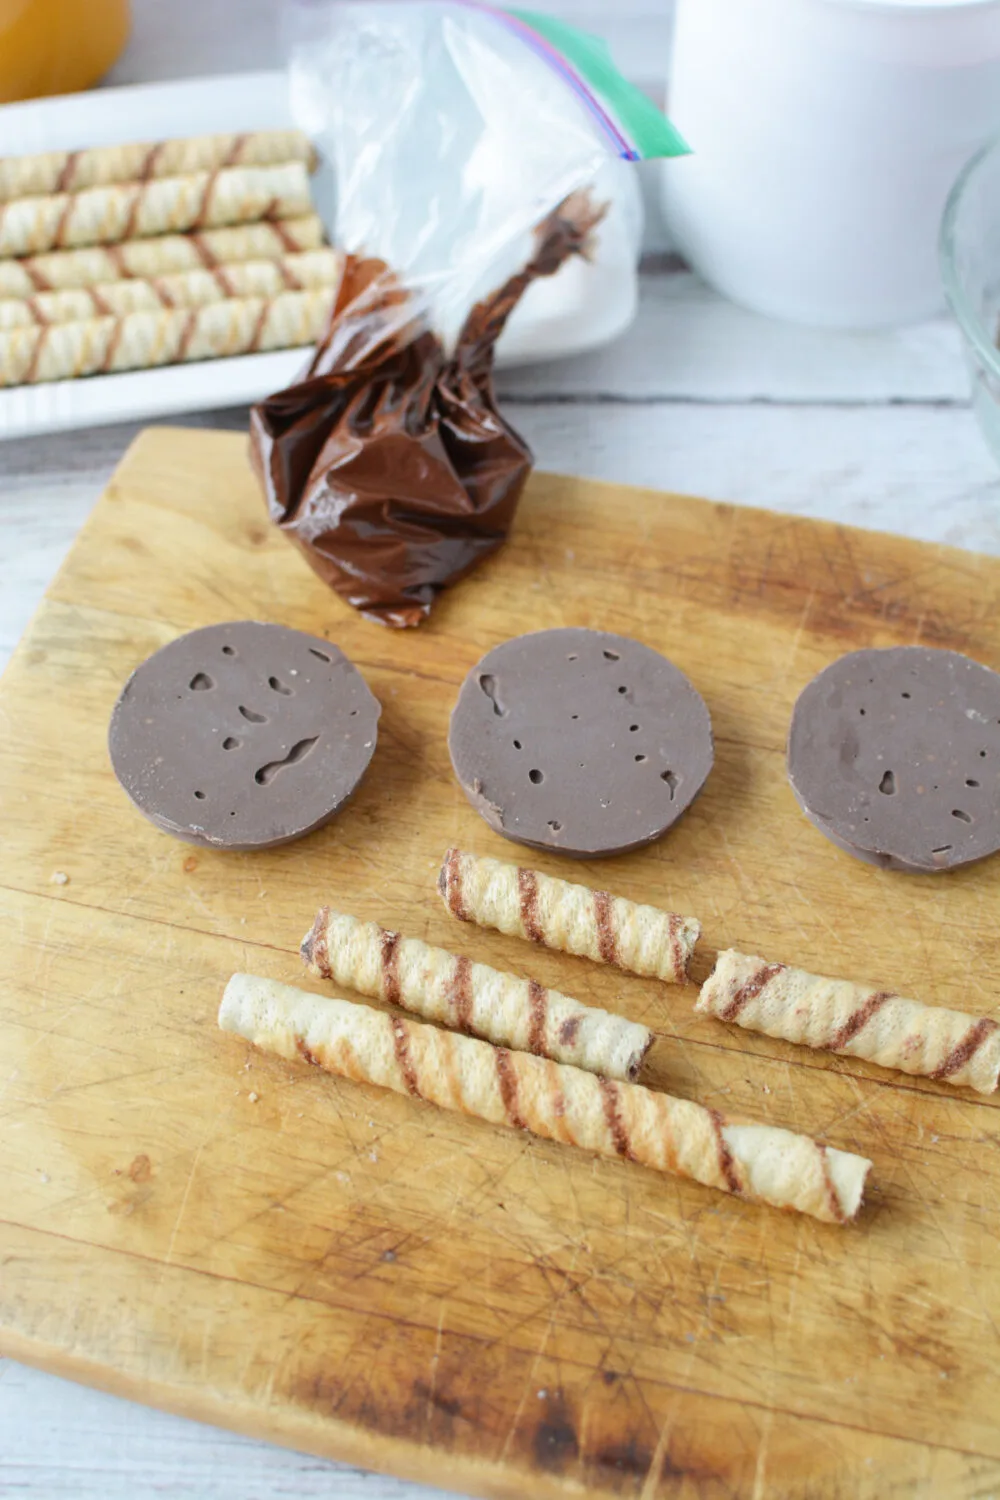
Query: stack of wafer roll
x,y
757,1162
193,221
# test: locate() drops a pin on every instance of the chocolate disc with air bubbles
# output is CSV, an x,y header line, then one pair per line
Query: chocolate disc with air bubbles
x,y
894,754
243,736
580,741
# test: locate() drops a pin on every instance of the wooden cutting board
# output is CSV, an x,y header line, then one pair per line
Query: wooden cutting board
x,y
300,1258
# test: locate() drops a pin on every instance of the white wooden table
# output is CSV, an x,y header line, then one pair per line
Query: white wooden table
x,y
872,430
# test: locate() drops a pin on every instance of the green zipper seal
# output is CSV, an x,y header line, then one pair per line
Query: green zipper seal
x,y
651,131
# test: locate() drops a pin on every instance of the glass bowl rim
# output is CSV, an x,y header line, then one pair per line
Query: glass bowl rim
x,y
967,317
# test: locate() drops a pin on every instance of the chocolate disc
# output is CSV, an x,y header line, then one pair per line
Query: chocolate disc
x,y
243,736
895,756
579,741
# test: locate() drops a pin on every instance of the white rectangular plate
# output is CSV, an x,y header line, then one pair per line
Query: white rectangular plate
x,y
102,117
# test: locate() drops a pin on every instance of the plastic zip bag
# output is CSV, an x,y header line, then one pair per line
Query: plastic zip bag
x,y
463,141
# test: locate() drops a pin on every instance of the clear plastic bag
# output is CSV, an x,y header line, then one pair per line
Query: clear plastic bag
x,y
466,148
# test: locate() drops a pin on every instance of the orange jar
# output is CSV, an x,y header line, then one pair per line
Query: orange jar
x,y
58,46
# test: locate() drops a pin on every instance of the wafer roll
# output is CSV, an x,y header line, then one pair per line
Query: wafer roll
x,y
160,256
561,1103
103,215
853,1019
573,918
252,278
97,166
473,998
101,346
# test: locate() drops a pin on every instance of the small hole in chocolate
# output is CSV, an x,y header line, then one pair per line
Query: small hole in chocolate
x,y
632,728
671,780
861,712
970,782
321,654
963,817
982,755
230,744
516,744
353,713
251,716
229,650
232,815
555,825
200,683
489,685
612,656
536,777
941,849
277,686
200,796
639,758
888,784
298,752
904,695
571,658
623,689
574,716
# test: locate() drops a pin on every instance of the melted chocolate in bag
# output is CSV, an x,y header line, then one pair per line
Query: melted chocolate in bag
x,y
389,464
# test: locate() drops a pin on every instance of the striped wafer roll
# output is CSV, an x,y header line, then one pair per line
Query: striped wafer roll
x,y
473,998
129,210
251,278
757,1162
97,166
101,346
853,1019
160,256
573,918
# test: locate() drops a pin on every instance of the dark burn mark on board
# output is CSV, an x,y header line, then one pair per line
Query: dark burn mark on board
x,y
750,990
389,948
141,1168
401,1045
622,1458
527,889
554,1442
858,1020
507,1079
607,943
460,994
970,1044
305,1051
449,1407
538,1005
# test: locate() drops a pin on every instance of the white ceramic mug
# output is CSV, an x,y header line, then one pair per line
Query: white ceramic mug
x,y
826,135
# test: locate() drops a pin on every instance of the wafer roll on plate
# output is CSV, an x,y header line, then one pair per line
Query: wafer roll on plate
x,y
252,278
124,211
471,997
143,340
160,256
572,918
456,1072
855,1020
97,166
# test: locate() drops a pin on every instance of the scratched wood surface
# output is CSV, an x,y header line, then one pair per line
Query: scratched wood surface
x,y
244,1241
